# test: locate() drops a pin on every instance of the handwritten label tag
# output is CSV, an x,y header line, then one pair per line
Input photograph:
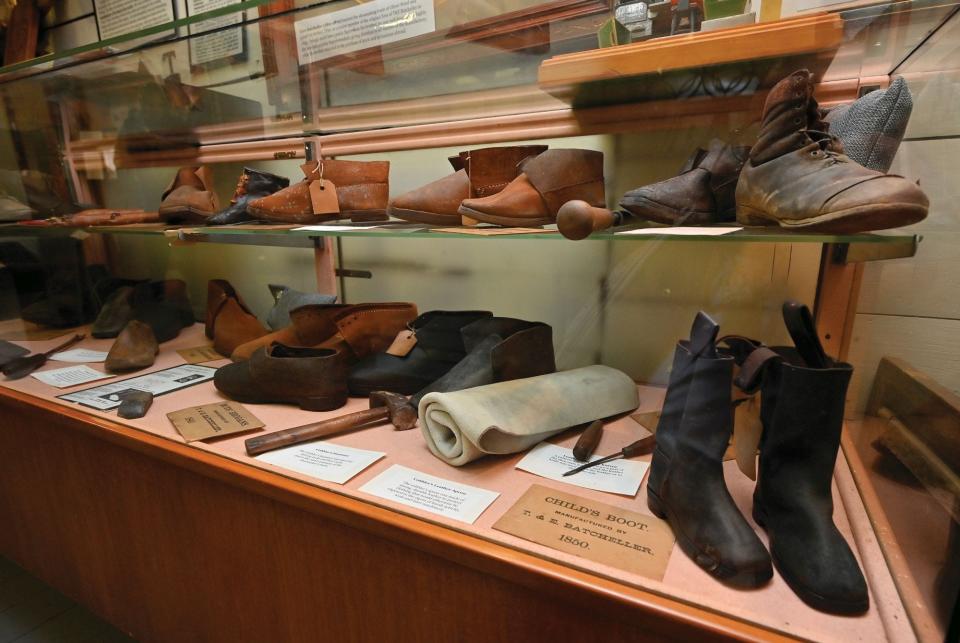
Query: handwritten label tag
x,y
403,343
323,197
634,542
199,354
213,420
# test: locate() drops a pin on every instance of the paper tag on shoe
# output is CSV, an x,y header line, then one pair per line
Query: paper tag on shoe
x,y
323,197
403,343
747,429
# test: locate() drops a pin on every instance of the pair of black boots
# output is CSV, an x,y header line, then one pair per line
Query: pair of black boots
x,y
802,401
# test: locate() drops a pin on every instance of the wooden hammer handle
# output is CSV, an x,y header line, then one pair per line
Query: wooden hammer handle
x,y
579,219
296,435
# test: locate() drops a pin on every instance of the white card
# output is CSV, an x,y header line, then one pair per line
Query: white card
x,y
617,476
682,231
324,460
430,493
69,376
335,228
80,355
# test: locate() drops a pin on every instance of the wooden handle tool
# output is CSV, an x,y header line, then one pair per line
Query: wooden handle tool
x,y
20,367
579,219
588,441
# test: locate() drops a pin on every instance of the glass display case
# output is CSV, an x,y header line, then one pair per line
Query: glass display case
x,y
245,183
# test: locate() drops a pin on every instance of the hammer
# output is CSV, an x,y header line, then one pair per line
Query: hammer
x,y
383,405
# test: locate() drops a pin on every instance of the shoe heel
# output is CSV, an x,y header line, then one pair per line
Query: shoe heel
x,y
320,403
655,505
369,215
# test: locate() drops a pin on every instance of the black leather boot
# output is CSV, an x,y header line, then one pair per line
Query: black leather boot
x,y
499,349
253,184
686,485
439,347
802,401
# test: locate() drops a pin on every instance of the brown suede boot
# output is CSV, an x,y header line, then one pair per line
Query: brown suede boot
x,y
478,173
362,192
229,323
190,197
547,182
798,178
358,329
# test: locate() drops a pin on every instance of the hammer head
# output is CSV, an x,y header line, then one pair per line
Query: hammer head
x,y
402,414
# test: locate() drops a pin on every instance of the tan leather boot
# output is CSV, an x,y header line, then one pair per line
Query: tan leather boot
x,y
358,329
228,320
478,173
190,197
363,188
797,176
547,181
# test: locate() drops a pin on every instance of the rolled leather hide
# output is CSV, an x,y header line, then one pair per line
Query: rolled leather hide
x,y
508,417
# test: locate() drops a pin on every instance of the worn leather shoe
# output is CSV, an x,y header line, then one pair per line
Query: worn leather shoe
x,y
287,299
477,174
499,349
114,314
164,306
190,197
356,329
135,348
253,184
797,176
362,191
703,191
437,347
312,378
547,182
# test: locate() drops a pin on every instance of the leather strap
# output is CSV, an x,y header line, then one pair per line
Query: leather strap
x,y
703,333
803,331
752,357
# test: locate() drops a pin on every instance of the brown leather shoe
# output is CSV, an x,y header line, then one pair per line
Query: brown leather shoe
x,y
135,348
313,378
357,329
478,173
703,191
362,193
190,197
798,178
547,182
228,320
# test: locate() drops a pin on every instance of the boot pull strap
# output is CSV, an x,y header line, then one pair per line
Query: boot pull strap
x,y
752,357
703,333
803,331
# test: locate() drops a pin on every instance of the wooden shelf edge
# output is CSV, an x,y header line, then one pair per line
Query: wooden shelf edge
x,y
581,588
793,36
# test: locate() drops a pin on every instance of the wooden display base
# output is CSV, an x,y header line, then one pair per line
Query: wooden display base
x,y
178,542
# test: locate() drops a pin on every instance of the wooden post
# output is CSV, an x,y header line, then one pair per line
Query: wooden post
x,y
323,262
838,291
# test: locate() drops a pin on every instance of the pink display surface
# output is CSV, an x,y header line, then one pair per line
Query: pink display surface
x,y
774,606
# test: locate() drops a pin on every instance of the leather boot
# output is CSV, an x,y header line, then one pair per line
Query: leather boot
x,y
164,306
477,173
356,329
362,191
135,348
797,176
547,181
499,349
312,378
439,346
287,299
686,485
190,197
703,191
228,320
802,394
252,184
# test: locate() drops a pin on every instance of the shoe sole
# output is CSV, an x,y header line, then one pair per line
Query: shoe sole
x,y
653,211
508,222
808,596
420,216
850,221
356,216
191,215
394,387
747,579
305,403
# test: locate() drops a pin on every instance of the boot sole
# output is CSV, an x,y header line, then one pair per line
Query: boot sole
x,y
421,216
315,403
850,221
808,596
659,213
400,387
508,222
356,216
748,579
190,215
